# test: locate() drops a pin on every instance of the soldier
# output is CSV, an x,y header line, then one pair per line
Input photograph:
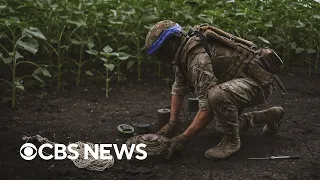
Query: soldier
x,y
226,74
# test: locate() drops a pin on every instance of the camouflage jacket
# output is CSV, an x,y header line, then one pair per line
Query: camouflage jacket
x,y
197,72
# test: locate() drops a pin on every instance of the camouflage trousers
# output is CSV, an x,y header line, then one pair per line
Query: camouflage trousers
x,y
229,99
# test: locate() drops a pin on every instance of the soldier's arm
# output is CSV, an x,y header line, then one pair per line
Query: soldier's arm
x,y
179,90
201,120
203,79
176,104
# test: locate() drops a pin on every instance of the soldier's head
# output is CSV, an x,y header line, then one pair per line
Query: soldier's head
x,y
163,40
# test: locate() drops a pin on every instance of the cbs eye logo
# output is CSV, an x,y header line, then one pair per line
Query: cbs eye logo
x,y
28,151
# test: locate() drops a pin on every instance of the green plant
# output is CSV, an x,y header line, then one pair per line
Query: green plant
x,y
105,55
290,27
21,38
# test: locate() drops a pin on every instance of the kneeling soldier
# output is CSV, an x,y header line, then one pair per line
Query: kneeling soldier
x,y
227,73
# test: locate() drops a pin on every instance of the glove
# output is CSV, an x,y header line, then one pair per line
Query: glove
x,y
178,145
168,130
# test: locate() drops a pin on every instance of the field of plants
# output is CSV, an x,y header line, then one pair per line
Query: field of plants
x,y
55,41
73,70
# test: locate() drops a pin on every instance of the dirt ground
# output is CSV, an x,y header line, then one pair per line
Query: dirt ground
x,y
84,114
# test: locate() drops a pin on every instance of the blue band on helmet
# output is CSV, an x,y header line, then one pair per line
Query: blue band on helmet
x,y
167,33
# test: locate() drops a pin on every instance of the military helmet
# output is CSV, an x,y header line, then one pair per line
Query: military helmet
x,y
159,33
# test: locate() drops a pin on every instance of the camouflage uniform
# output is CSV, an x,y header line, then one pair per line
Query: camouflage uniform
x,y
226,99
223,86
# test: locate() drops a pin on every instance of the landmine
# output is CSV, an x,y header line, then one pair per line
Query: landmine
x,y
156,144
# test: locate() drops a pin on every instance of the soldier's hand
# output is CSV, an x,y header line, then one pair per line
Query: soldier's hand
x,y
168,130
177,145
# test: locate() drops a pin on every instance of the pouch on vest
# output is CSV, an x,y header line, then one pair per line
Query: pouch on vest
x,y
246,51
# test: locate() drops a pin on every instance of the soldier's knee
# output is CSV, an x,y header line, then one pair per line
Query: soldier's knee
x,y
216,95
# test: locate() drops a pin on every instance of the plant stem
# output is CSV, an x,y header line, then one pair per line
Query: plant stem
x,y
13,97
80,65
316,65
138,69
107,82
59,54
59,66
118,70
80,58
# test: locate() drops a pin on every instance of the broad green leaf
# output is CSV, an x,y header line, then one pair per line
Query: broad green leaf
x,y
19,85
269,24
263,39
53,41
38,78
90,44
316,16
3,36
7,60
109,66
104,54
30,45
76,42
311,51
78,22
240,14
149,18
92,52
54,6
37,71
89,73
107,49
130,64
300,24
114,54
2,6
104,59
46,72
114,12
147,27
7,22
115,22
17,56
203,19
123,56
35,33
299,50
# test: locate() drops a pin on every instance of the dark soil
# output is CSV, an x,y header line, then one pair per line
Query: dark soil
x,y
84,114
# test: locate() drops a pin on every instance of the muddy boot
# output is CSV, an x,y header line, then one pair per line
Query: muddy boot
x,y
229,144
271,118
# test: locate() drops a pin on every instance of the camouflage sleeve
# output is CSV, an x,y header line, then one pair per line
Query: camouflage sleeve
x,y
180,86
203,78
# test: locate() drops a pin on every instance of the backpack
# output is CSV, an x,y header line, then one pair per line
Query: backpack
x,y
251,59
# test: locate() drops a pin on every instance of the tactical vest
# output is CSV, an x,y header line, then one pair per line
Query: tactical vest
x,y
251,61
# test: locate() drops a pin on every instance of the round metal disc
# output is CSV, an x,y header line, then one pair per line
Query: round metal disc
x,y
125,128
163,110
156,144
150,137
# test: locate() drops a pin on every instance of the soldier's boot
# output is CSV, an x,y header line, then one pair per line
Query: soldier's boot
x,y
270,117
229,144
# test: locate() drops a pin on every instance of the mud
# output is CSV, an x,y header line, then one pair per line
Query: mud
x,y
84,114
